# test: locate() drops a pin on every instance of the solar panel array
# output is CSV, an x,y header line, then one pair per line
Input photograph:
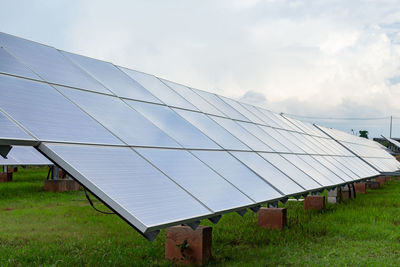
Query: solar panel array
x,y
157,152
392,141
23,156
370,151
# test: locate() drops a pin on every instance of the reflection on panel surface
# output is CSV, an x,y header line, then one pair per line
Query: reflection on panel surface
x,y
47,114
120,118
243,135
159,89
50,64
193,98
112,78
174,125
10,130
11,65
212,129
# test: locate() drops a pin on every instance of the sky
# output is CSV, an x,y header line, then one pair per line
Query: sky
x,y
318,59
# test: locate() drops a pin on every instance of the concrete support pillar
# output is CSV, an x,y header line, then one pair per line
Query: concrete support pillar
x,y
361,188
272,218
314,202
186,246
334,195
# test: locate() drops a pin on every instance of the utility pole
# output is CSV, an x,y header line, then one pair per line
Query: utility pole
x,y
391,120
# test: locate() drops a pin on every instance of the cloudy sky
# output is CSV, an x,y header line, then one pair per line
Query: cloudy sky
x,y
336,59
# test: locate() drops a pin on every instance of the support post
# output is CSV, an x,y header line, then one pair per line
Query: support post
x,y
59,183
272,218
361,187
6,176
314,202
334,195
381,180
186,246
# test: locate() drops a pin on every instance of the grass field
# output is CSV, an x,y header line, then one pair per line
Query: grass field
x,y
61,229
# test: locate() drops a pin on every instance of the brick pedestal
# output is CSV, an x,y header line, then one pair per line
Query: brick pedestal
x,y
361,188
314,202
6,177
373,185
272,218
61,185
347,192
381,180
12,169
185,246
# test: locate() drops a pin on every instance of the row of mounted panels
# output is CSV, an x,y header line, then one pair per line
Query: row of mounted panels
x,y
178,154
39,62
154,187
370,151
62,114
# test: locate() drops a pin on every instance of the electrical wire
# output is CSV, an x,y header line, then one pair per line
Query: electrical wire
x,y
91,204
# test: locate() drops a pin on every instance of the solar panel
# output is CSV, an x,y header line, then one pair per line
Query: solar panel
x,y
159,89
179,154
49,63
177,127
117,116
10,65
48,115
24,156
369,151
193,98
112,78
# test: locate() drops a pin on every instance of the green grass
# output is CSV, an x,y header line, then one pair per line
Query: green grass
x,y
61,229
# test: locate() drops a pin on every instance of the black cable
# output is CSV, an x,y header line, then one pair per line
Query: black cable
x,y
91,204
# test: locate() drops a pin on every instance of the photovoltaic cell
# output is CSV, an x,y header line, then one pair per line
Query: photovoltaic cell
x,y
174,125
122,120
239,175
112,78
268,172
193,98
292,171
10,65
236,105
242,134
10,130
193,175
306,168
49,63
159,89
47,114
221,105
258,132
212,129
